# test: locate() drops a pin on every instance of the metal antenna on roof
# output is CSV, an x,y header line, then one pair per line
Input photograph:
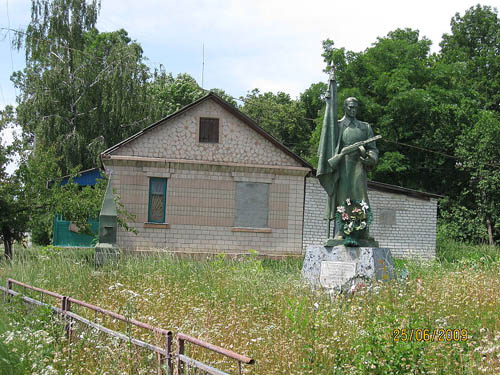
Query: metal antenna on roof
x,y
203,65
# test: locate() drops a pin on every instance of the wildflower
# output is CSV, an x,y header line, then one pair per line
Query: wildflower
x,y
114,286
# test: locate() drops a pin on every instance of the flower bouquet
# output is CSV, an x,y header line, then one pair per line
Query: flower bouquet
x,y
351,219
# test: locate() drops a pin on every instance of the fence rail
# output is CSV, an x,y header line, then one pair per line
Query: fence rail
x,y
164,354
181,358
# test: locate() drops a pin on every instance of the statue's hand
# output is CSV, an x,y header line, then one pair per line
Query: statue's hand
x,y
346,150
367,161
334,161
362,151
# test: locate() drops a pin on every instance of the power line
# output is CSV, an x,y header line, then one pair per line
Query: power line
x,y
434,152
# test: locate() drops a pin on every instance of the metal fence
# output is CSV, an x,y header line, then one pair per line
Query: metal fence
x,y
164,354
183,359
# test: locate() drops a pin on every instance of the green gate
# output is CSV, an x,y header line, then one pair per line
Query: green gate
x,y
64,236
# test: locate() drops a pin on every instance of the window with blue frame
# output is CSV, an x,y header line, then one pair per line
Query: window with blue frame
x,y
157,199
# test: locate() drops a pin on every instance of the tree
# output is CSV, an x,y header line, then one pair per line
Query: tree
x,y
81,90
313,102
13,209
168,94
281,116
472,51
474,42
479,150
45,197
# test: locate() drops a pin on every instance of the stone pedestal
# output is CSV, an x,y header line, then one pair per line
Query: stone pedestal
x,y
341,267
106,253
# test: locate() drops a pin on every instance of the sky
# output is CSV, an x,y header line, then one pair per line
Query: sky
x,y
272,45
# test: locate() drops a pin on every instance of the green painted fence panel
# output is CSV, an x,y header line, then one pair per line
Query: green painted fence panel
x,y
64,237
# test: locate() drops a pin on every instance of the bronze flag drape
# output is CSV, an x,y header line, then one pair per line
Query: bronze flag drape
x,y
328,145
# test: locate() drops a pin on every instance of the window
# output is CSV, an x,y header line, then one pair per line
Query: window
x,y
209,130
252,205
157,200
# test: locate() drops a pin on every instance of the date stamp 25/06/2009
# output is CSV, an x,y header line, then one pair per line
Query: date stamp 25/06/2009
x,y
429,335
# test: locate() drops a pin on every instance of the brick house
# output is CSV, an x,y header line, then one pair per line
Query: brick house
x,y
208,179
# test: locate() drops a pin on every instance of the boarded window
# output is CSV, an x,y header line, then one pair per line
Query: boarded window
x,y
157,200
209,130
252,205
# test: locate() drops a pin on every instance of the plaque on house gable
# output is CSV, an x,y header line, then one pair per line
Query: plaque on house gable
x,y
335,274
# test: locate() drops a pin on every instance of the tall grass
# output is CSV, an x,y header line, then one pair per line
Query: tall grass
x,y
261,308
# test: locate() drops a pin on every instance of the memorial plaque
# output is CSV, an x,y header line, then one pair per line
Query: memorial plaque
x,y
334,274
387,217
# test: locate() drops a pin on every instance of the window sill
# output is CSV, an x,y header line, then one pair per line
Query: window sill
x,y
252,230
156,225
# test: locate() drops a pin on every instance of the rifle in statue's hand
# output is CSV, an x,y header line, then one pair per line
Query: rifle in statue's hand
x,y
334,161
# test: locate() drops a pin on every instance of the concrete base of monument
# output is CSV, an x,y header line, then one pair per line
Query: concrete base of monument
x,y
341,268
106,253
368,242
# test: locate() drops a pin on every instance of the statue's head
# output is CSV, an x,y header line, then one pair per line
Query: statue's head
x,y
351,107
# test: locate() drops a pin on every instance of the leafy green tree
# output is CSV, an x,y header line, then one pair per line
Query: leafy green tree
x,y
281,116
81,90
474,43
167,94
312,100
471,51
13,209
479,150
44,196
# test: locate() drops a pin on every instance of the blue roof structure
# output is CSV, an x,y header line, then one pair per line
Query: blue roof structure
x,y
88,177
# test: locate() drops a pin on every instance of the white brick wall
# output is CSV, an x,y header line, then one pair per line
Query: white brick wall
x,y
206,226
406,225
178,138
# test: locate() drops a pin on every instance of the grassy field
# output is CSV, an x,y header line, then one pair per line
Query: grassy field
x,y
261,308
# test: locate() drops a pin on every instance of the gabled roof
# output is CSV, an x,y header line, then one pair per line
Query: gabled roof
x,y
234,111
401,190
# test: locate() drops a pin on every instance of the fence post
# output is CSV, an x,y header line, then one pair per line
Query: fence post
x,y
9,287
161,361
66,306
168,357
169,353
180,350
